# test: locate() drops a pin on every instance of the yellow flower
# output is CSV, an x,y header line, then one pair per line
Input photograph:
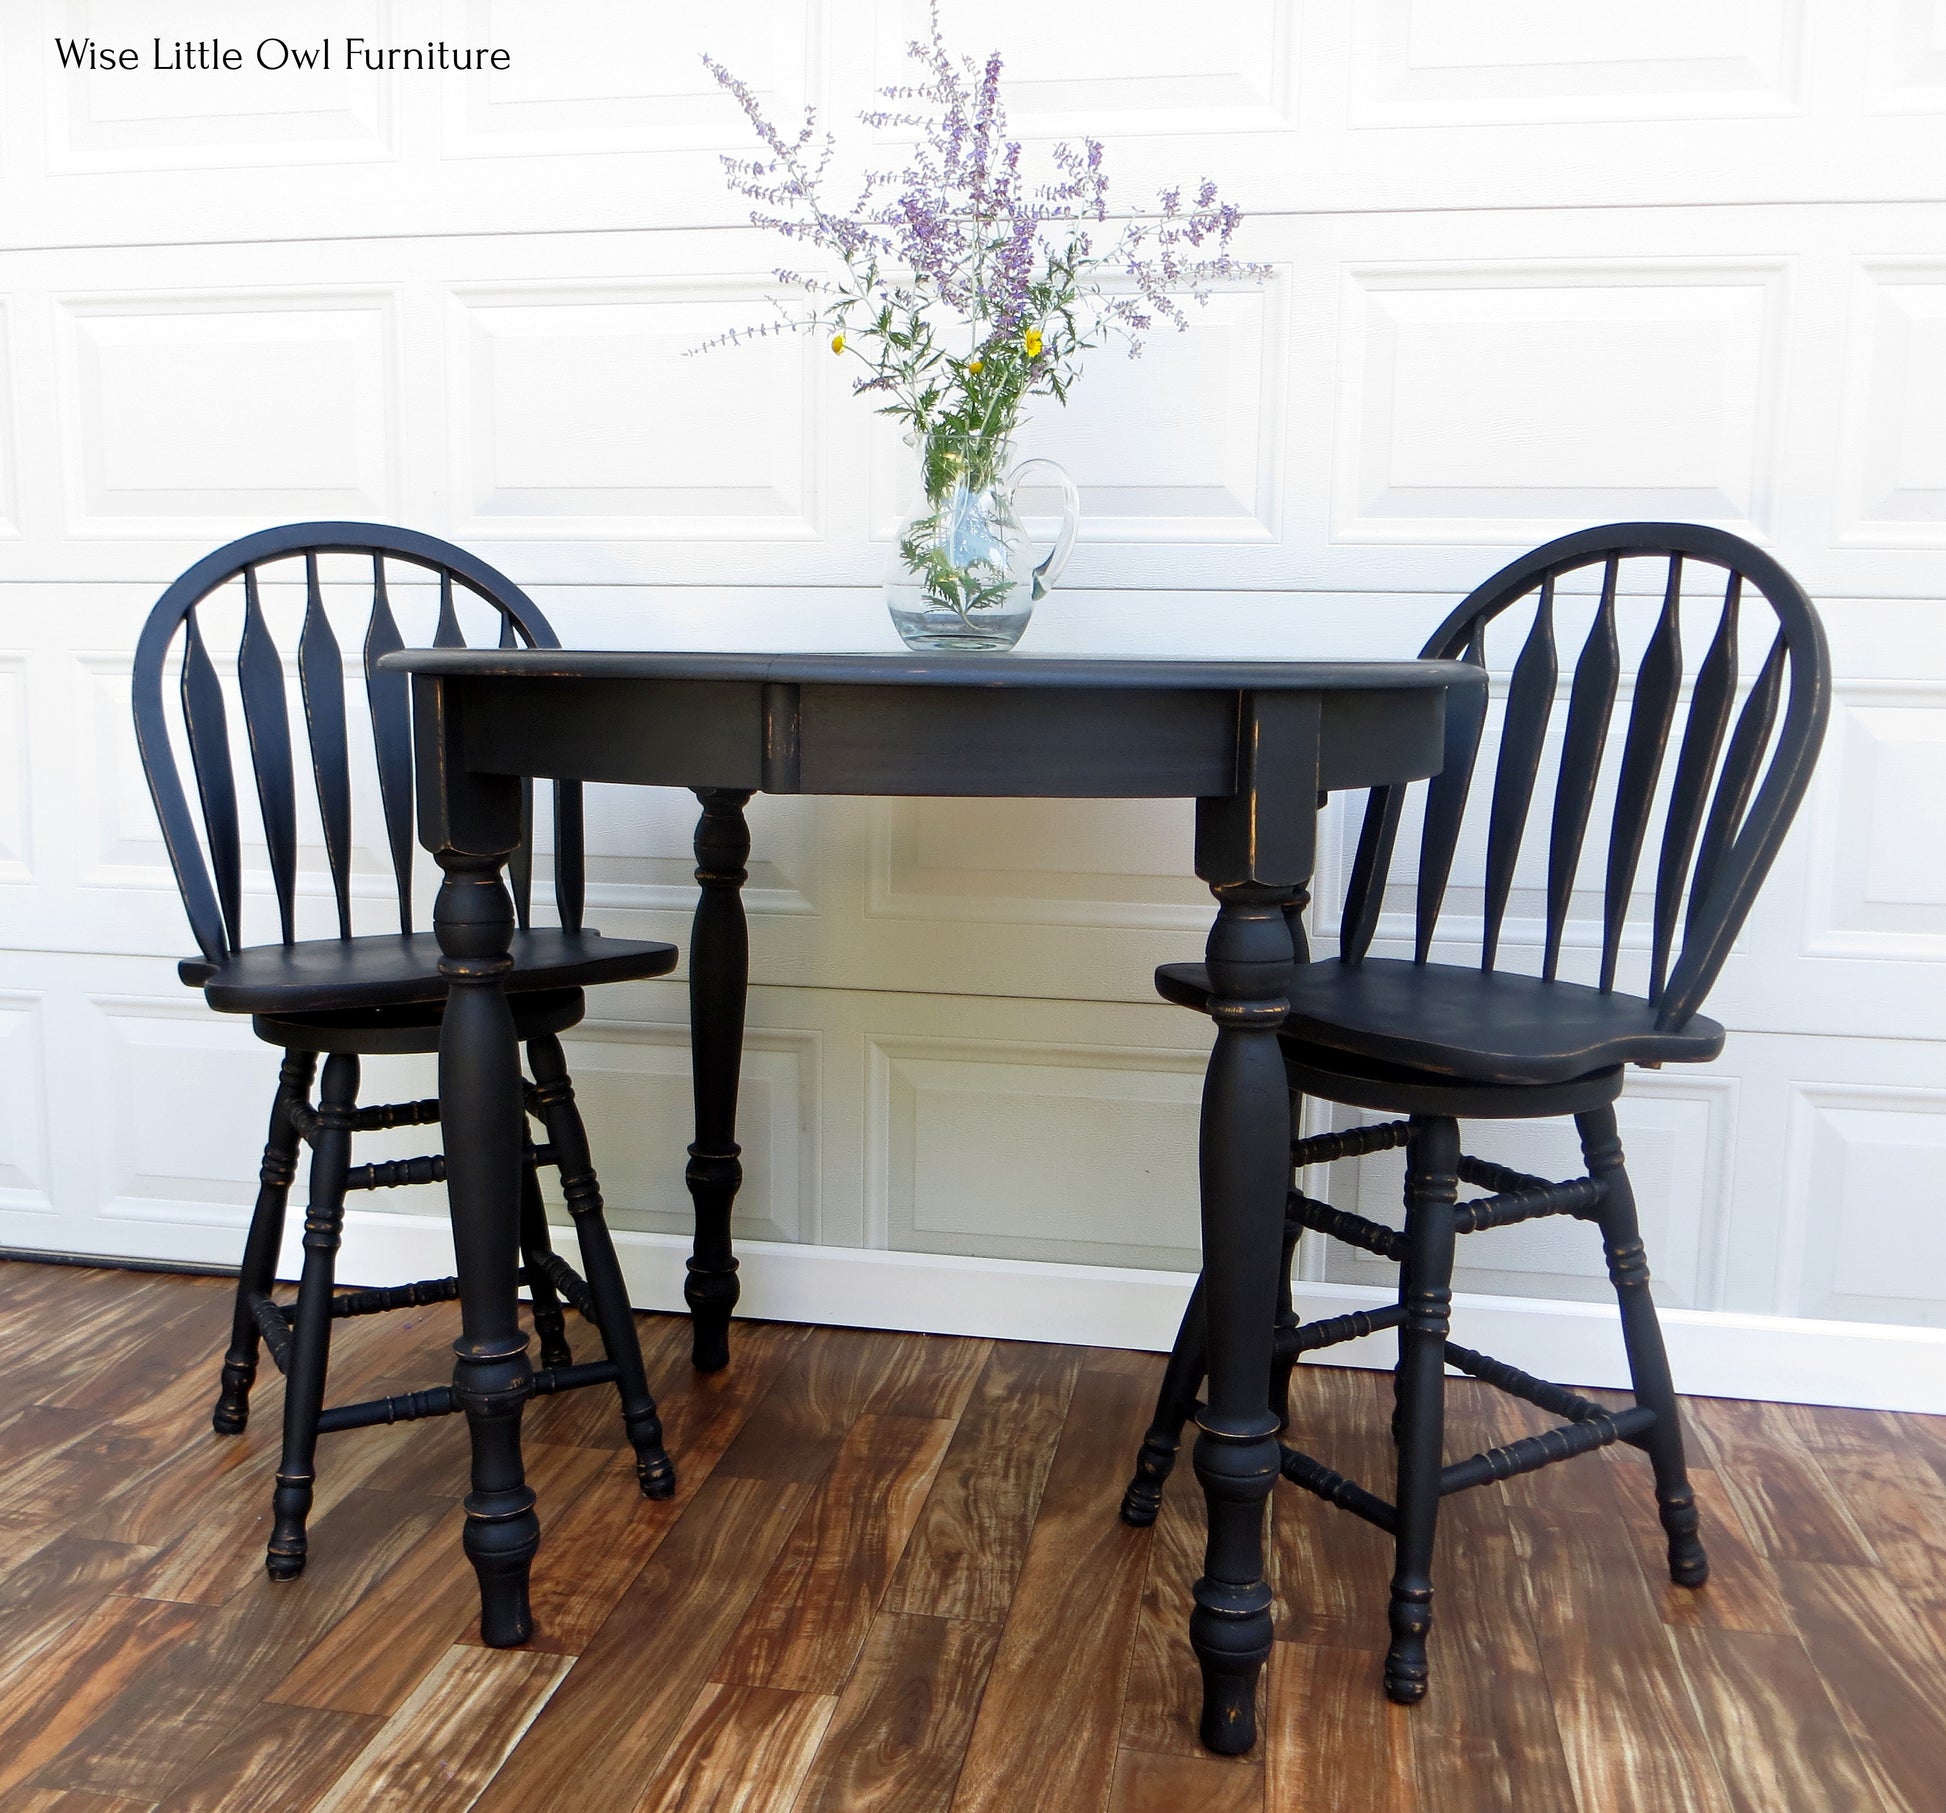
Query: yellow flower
x,y
837,343
1031,339
976,365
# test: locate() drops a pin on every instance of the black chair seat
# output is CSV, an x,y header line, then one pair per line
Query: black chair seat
x,y
1482,1026
322,974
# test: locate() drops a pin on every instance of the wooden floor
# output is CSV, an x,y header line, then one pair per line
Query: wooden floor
x,y
893,1579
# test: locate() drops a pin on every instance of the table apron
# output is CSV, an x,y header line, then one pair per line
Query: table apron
x,y
981,741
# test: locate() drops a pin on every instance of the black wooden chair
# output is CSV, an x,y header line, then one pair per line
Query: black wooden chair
x,y
1441,1041
349,996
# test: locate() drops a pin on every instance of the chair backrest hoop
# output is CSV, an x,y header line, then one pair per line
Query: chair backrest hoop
x,y
1723,826
214,903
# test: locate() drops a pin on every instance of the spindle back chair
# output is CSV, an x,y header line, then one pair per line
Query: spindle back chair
x,y
351,995
1437,1041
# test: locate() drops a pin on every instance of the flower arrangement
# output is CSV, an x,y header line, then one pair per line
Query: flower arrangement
x,y
963,287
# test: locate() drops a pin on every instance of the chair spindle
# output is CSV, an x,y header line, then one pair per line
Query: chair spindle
x,y
389,697
1530,703
260,680
209,749
1591,703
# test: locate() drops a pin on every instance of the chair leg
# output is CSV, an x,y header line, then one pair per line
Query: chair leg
x,y
555,1093
1182,1378
549,1323
1648,1362
232,1412
311,1332
1431,1189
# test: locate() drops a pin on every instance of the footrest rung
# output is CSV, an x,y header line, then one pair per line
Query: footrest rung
x,y
1329,1332
1577,1196
381,1115
1532,1452
394,1296
1484,1174
1348,1142
550,1379
410,1406
396,1173
569,1283
1340,1224
273,1324
407,1407
1543,1394
1334,1488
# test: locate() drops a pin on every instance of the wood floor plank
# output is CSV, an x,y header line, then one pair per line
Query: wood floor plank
x,y
1778,1740
1331,1571
899,1734
1628,1728
373,1658
1162,1690
1899,1502
824,1387
1335,1743
68,1800
627,1697
1148,1783
442,1745
741,1749
184,1703
966,1552
935,1379
1742,1591
1789,1504
1485,1739
1045,1738
273,1756
54,1588
75,1677
600,1543
1881,1667
810,1616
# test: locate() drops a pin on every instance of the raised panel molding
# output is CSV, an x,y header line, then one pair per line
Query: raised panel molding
x,y
644,89
1154,69
969,1143
1908,56
1868,1198
199,416
1895,430
579,410
24,1182
1041,862
1506,403
641,851
185,1098
16,809
632,1081
9,455
168,119
1495,63
1676,1132
1878,874
1216,476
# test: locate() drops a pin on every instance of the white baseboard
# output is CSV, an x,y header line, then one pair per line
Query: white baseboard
x,y
1714,1353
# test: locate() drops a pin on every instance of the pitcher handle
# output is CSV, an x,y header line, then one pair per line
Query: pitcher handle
x,y
1057,556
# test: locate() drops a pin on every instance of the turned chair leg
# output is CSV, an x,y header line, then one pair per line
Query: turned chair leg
x,y
1648,1362
311,1332
550,1325
232,1412
555,1095
1175,1404
1431,1189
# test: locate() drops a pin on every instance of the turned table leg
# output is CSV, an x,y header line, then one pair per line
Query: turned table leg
x,y
471,823
719,981
1254,849
482,1124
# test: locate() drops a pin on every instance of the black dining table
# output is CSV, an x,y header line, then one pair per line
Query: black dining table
x,y
1256,743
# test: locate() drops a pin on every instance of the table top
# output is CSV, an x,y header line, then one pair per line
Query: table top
x,y
1109,672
